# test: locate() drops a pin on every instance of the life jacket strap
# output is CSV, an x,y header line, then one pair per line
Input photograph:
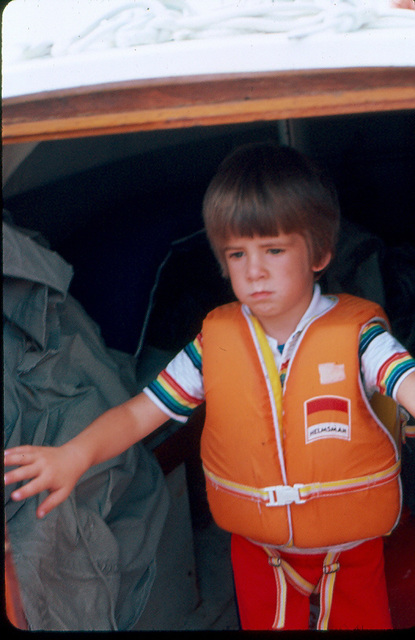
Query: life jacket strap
x,y
282,495
408,432
283,571
326,588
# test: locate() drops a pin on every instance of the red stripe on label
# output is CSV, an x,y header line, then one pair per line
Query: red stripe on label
x,y
326,404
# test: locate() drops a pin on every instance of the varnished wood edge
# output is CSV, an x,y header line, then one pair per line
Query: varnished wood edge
x,y
205,100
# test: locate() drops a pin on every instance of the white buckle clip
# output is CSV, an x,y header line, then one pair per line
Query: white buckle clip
x,y
281,495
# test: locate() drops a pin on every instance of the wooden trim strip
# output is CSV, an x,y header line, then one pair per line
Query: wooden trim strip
x,y
201,101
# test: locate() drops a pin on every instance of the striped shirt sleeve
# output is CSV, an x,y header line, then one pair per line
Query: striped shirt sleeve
x,y
385,363
179,389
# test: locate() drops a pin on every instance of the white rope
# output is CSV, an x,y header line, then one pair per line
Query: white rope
x,y
156,21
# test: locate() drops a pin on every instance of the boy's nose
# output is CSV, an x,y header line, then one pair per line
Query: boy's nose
x,y
255,268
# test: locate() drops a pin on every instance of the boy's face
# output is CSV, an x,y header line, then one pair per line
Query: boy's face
x,y
274,277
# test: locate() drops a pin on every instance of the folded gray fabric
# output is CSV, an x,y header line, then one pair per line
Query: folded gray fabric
x,y
89,564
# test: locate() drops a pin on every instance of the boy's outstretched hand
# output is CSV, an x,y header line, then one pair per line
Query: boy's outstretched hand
x,y
58,469
53,469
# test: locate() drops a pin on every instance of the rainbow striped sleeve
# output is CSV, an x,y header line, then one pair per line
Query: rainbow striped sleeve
x,y
194,352
392,370
389,360
369,333
178,389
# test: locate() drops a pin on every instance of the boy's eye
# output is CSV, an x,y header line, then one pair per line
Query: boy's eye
x,y
274,251
235,254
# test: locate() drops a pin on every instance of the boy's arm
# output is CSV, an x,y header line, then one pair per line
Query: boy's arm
x,y
57,469
406,393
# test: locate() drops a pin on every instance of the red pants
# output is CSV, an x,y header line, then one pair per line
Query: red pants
x,y
360,598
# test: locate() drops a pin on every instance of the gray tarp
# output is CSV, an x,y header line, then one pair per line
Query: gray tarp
x,y
88,565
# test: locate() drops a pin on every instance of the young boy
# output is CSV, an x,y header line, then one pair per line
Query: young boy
x,y
298,467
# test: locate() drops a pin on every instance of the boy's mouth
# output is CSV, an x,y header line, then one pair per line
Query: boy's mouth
x,y
259,295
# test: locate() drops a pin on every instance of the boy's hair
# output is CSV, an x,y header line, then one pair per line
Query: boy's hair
x,y
263,189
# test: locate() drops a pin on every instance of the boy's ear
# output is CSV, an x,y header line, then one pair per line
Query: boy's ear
x,y
323,263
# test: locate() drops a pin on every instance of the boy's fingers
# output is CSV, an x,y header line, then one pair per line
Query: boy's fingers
x,y
52,501
17,475
19,455
30,489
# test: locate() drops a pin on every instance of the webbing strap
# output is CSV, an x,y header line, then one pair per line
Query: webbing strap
x,y
326,587
283,571
281,593
271,367
301,584
281,495
409,432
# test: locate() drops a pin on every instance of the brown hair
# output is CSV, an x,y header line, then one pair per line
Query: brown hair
x,y
262,189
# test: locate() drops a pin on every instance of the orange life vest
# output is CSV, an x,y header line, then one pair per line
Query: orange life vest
x,y
315,470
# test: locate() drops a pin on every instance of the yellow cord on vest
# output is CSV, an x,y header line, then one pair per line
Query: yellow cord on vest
x,y
271,367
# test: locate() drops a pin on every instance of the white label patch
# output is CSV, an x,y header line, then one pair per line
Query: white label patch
x,y
327,417
331,372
